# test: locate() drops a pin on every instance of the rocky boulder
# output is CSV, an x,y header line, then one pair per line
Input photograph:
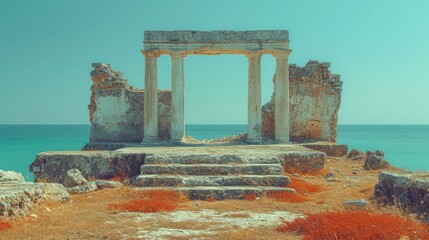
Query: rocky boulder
x,y
356,154
17,197
74,178
375,160
11,177
405,189
57,192
76,183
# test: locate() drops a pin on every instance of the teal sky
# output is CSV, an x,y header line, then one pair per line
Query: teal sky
x,y
380,48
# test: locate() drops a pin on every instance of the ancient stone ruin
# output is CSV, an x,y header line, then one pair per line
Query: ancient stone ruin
x,y
304,105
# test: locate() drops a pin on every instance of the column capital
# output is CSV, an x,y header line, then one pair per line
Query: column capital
x,y
151,54
177,54
282,53
253,54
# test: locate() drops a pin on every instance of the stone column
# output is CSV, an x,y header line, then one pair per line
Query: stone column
x,y
150,97
281,99
177,130
254,114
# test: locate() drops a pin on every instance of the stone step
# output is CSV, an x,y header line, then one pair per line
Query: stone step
x,y
211,159
221,193
243,180
212,169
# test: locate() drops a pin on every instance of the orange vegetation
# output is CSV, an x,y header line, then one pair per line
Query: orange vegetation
x,y
290,197
290,170
151,201
210,200
304,187
4,225
250,196
355,225
301,187
144,205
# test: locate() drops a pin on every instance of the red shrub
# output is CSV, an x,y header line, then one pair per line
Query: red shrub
x,y
4,225
250,196
151,201
144,205
304,187
210,200
355,225
283,196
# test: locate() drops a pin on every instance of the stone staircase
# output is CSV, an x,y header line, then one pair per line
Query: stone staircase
x,y
215,176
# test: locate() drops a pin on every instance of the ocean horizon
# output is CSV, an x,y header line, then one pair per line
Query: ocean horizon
x,y
405,146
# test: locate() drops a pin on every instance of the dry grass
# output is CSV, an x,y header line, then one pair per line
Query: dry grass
x,y
289,197
355,225
303,187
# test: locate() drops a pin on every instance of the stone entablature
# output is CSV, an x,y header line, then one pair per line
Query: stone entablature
x,y
217,42
252,44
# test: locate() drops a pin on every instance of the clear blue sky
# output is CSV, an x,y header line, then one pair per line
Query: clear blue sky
x,y
381,49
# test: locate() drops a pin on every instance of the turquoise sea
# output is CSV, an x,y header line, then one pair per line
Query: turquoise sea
x,y
405,146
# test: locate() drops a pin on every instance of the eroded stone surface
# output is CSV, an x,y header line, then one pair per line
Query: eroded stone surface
x,y
332,150
107,184
405,189
74,178
11,177
16,196
116,109
315,98
57,192
199,222
52,166
84,188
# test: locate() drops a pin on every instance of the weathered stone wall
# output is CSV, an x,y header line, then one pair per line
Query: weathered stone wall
x,y
116,109
315,97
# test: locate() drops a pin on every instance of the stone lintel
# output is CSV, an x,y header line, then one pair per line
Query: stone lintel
x,y
217,42
216,36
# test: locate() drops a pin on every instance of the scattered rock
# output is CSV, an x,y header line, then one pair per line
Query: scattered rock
x,y
330,175
107,184
355,172
85,188
295,174
356,154
361,203
57,192
333,179
74,178
11,177
375,161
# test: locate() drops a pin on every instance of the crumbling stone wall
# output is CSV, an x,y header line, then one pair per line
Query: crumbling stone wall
x,y
315,97
116,109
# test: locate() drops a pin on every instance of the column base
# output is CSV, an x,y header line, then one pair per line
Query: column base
x,y
282,140
147,140
254,141
177,141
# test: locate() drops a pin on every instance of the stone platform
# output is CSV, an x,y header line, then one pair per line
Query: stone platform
x,y
201,170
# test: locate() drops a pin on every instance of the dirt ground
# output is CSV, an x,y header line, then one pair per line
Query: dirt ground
x,y
86,216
